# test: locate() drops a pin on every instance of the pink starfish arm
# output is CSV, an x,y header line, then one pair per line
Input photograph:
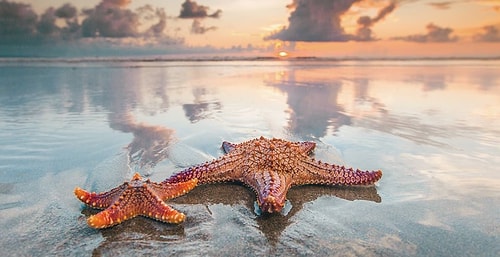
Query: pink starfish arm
x,y
100,200
224,169
166,191
271,188
311,171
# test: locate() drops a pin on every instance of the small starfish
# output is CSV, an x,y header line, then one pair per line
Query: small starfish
x,y
134,198
270,167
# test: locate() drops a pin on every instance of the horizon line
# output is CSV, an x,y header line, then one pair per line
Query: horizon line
x,y
188,58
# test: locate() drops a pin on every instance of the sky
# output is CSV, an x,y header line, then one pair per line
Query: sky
x,y
331,28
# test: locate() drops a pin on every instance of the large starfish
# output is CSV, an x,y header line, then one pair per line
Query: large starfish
x,y
134,198
270,167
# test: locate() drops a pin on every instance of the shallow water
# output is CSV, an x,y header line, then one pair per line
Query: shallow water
x,y
433,127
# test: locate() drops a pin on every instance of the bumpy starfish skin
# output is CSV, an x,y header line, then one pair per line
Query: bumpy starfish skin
x,y
134,198
270,167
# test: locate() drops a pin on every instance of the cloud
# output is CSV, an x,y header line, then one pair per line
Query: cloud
x,y
441,5
150,14
197,28
19,24
315,21
490,34
434,34
364,31
191,9
109,19
67,11
320,21
47,23
47,28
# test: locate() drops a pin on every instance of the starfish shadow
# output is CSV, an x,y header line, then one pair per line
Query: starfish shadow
x,y
272,225
235,195
134,233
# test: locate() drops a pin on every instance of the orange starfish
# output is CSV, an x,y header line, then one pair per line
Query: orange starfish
x,y
134,198
270,167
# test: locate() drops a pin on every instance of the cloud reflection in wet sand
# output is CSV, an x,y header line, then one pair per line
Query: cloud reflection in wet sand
x,y
150,142
313,105
201,108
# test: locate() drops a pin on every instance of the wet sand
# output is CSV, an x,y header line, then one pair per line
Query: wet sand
x,y
432,127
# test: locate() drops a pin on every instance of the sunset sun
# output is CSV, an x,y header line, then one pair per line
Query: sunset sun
x,y
283,54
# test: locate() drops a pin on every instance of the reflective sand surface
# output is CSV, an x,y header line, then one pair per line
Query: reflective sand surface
x,y
433,128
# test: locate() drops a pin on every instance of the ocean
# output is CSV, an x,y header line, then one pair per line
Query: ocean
x,y
431,126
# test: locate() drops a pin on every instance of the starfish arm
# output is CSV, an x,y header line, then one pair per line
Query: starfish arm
x,y
223,169
271,188
317,172
158,210
306,147
111,216
100,200
167,190
228,147
124,208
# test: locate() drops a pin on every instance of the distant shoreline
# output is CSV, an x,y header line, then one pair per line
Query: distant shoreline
x,y
235,58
